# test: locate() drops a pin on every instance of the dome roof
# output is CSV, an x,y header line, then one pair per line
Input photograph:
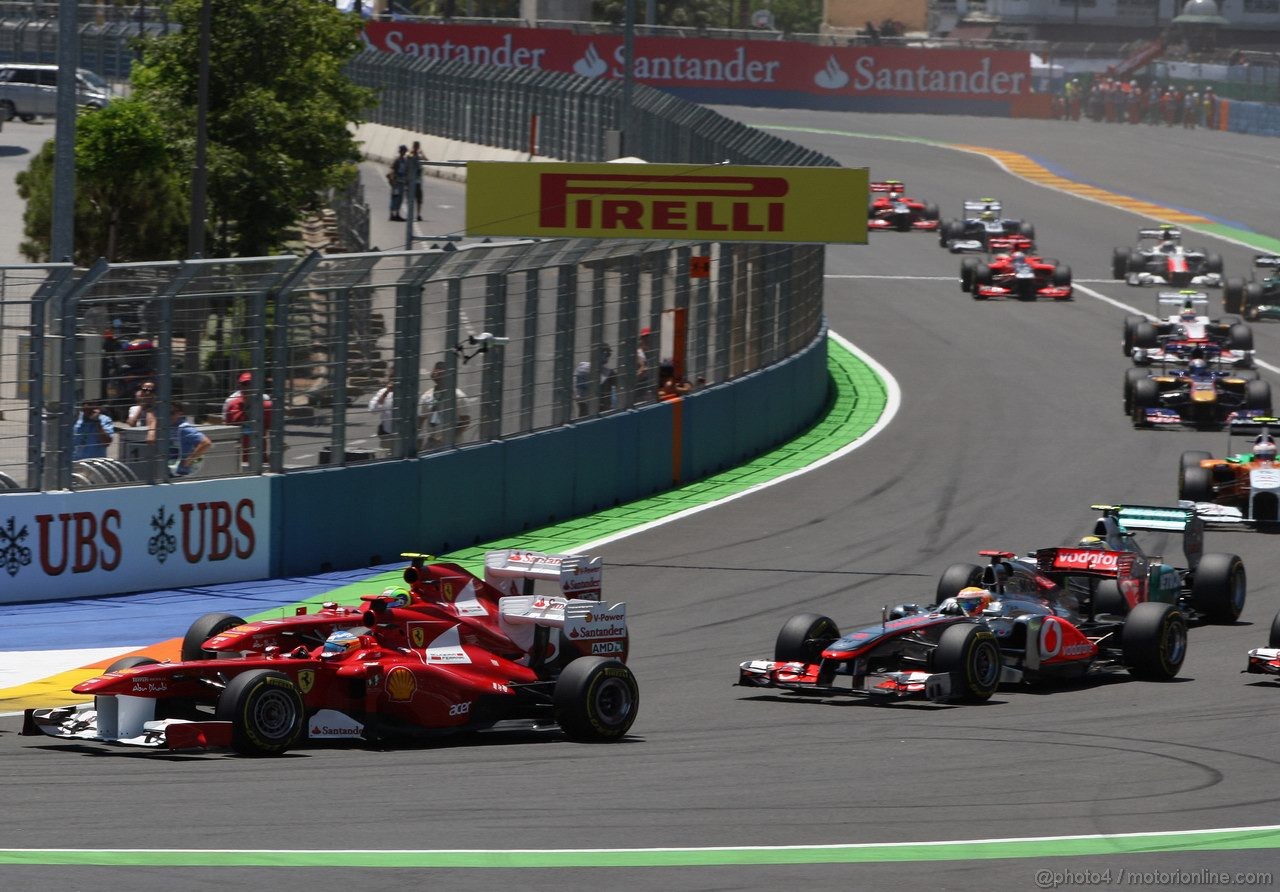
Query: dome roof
x,y
1201,12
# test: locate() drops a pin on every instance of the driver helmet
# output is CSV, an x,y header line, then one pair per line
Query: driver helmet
x,y
896,189
399,597
1264,448
1188,314
987,215
1018,258
973,600
1198,368
1168,246
339,642
1091,542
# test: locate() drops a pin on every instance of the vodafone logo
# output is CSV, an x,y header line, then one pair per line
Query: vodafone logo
x,y
1086,559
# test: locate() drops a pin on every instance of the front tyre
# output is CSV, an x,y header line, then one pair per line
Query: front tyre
x,y
265,710
1154,641
804,637
1219,588
596,699
970,653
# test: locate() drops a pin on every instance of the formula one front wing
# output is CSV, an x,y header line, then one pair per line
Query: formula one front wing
x,y
1207,280
1264,661
804,678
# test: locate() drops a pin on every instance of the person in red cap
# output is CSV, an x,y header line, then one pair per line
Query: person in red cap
x,y
238,409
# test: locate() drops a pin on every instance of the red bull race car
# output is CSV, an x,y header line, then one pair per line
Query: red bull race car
x,y
394,669
1201,394
892,208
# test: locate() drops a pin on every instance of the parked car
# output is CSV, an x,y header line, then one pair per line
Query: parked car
x,y
28,91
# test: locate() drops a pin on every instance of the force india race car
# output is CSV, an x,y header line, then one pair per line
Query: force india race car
x,y
1255,299
408,670
1019,275
983,229
965,647
1241,489
1167,262
893,209
1266,660
1198,395
1110,573
1186,333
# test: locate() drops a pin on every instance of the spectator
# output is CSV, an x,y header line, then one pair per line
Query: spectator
x,y
382,404
93,432
187,446
582,380
398,178
416,157
433,409
670,385
644,386
143,412
238,409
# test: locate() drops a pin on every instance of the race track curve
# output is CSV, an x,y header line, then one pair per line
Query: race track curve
x,y
1010,426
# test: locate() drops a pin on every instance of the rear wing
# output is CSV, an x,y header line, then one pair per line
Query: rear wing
x,y
982,204
888,186
1197,299
1134,518
1266,261
579,576
587,628
1085,562
1162,233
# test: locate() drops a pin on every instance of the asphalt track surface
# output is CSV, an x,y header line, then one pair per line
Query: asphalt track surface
x,y
1009,427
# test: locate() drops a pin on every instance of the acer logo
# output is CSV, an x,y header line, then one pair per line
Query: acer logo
x,y
460,708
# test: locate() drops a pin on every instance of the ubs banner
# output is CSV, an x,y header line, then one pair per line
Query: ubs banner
x,y
776,73
99,542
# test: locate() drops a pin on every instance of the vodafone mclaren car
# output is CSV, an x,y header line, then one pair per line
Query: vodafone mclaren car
x,y
983,229
892,208
965,647
1160,259
1266,660
406,671
1183,331
1242,489
1200,395
1019,275
1257,298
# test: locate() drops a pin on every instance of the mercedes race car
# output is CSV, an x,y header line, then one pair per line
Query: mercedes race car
x,y
983,229
892,208
1166,262
1109,573
1199,395
965,647
1266,660
1186,333
1240,490
406,671
1257,298
1019,275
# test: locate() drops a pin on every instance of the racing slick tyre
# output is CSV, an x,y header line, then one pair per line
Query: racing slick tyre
x,y
1213,263
804,637
1240,337
1062,277
1257,395
1153,641
129,663
970,653
1137,263
1131,322
596,699
967,267
202,630
1146,336
1219,587
948,231
1273,640
982,275
265,710
1195,484
931,212
1145,395
1119,263
956,577
1027,229
1252,300
167,708
1107,598
1132,377
1233,296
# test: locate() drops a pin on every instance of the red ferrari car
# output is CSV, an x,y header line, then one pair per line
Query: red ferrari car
x,y
1019,275
402,671
893,209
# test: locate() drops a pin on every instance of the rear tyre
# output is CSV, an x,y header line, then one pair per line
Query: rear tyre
x,y
955,578
1146,336
1108,599
1274,639
1233,296
1131,377
265,710
596,699
129,663
1219,588
167,708
1196,484
1026,229
970,653
1240,337
1257,395
1154,641
1137,263
931,212
804,637
1252,300
1131,323
1119,263
202,630
1213,263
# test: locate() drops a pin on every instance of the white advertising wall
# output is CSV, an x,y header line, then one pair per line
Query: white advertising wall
x,y
97,542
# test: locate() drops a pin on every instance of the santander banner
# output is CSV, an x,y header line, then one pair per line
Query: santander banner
x,y
60,545
701,68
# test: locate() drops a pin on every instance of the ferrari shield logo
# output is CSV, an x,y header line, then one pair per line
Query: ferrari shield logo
x,y
417,636
447,589
306,680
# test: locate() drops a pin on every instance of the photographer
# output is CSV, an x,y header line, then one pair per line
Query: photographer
x,y
93,432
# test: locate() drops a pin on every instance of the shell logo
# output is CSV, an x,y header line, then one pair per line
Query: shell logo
x,y
306,680
401,685
417,636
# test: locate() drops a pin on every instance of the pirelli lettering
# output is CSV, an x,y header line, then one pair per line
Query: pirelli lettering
x,y
666,201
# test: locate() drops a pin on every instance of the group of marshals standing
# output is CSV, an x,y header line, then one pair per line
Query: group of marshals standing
x,y
1116,101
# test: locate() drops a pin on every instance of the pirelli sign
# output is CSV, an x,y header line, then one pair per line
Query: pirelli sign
x,y
667,201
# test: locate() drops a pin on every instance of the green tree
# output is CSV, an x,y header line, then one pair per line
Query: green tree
x,y
278,111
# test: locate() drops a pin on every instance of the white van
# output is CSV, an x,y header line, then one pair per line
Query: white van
x,y
27,91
